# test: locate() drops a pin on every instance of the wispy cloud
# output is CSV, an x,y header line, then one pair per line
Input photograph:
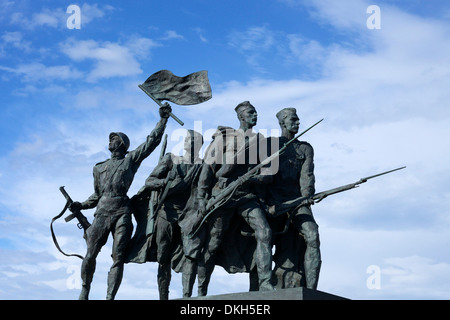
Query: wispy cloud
x,y
16,40
35,71
201,35
57,17
253,43
172,34
110,59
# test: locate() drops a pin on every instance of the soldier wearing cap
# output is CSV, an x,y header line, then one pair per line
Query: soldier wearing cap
x,y
112,179
231,154
294,179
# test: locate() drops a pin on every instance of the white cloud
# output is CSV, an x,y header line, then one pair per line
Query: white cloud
x,y
254,38
57,17
346,16
417,274
200,33
172,34
36,71
110,59
253,43
15,39
91,12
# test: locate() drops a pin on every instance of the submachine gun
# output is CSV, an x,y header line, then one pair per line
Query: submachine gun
x,y
83,222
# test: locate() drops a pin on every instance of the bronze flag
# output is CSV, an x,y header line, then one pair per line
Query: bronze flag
x,y
191,89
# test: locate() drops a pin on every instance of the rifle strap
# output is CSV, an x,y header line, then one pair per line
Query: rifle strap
x,y
55,241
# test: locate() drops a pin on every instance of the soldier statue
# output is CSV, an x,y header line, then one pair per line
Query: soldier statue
x,y
112,180
174,177
295,179
231,154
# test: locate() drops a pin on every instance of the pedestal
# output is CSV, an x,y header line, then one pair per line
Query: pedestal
x,y
300,293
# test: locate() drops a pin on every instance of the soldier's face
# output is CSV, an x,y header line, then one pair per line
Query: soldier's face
x,y
292,123
249,116
189,144
114,143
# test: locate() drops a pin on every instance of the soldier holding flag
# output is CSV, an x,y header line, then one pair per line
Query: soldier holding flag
x,y
112,179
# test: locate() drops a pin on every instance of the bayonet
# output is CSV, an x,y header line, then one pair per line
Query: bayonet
x,y
289,205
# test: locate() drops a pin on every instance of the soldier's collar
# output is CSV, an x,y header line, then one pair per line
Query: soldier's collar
x,y
115,156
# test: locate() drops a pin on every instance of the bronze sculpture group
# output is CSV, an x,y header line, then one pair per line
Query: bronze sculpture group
x,y
250,194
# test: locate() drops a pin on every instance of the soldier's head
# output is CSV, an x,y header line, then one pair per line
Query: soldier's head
x,y
246,114
118,142
288,120
193,142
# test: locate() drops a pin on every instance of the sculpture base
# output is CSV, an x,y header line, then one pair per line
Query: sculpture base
x,y
300,293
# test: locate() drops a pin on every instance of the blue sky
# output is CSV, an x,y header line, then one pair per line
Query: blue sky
x,y
383,93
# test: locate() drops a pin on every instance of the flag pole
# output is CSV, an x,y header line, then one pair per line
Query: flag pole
x,y
159,103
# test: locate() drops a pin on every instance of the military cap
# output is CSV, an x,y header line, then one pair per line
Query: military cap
x,y
242,106
283,113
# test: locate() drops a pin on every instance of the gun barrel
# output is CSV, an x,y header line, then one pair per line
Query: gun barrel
x,y
383,173
163,147
299,135
65,194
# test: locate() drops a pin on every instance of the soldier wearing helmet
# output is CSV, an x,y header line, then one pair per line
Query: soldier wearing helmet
x,y
112,179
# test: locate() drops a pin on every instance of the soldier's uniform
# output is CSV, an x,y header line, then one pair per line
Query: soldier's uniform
x,y
294,179
220,169
180,174
112,180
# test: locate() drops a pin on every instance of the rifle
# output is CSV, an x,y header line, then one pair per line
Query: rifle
x,y
226,194
154,196
83,222
279,209
284,207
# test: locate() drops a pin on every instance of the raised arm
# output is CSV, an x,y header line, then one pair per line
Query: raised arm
x,y
154,138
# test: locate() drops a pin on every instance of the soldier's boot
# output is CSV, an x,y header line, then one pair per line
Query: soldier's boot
x,y
265,283
253,280
84,294
204,276
87,274
188,281
188,277
264,264
115,275
312,271
164,277
312,264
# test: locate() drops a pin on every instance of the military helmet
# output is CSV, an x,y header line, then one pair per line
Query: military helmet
x,y
123,137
